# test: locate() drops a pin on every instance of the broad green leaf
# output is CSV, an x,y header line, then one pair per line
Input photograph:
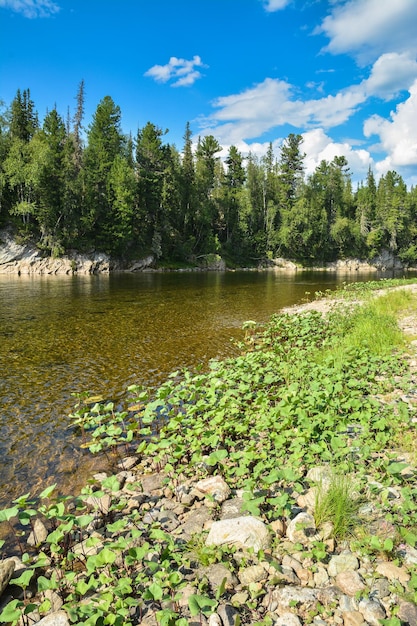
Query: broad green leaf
x,y
47,492
7,514
200,604
11,612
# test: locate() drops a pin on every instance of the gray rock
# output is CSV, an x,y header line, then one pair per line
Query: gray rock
x,y
59,618
38,534
372,611
301,529
286,597
320,577
152,482
380,588
407,613
348,604
228,614
214,486
217,573
342,563
6,571
194,523
246,531
232,508
252,574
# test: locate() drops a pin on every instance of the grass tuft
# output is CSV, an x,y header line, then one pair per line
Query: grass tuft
x,y
337,502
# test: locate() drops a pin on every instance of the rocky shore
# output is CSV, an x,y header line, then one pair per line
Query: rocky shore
x,y
26,260
205,558
287,572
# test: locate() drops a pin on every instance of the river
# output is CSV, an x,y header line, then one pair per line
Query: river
x,y
65,335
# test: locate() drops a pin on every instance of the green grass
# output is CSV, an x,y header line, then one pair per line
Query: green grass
x,y
337,503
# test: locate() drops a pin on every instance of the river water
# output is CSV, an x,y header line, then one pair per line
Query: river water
x,y
65,335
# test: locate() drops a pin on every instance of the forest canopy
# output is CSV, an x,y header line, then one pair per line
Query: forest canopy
x,y
66,185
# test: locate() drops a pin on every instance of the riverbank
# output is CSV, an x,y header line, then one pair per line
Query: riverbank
x,y
280,488
25,259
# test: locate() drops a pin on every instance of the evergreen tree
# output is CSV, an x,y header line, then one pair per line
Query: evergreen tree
x,y
105,142
151,164
208,178
291,168
49,154
233,184
24,119
187,185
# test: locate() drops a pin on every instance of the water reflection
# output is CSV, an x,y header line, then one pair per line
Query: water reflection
x,y
61,335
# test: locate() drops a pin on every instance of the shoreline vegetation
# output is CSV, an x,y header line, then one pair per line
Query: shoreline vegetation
x,y
25,259
277,487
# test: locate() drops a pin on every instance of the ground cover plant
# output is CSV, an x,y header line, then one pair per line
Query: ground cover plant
x,y
307,390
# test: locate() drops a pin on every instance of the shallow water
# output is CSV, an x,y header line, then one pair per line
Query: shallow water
x,y
65,335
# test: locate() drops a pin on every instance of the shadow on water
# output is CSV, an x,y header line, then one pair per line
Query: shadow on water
x,y
65,335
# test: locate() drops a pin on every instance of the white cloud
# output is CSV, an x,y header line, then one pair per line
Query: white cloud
x,y
397,135
31,8
390,74
271,104
274,103
368,28
318,147
275,5
181,71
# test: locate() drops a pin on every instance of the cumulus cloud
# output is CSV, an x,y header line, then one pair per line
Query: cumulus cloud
x,y
275,5
181,72
274,103
318,146
31,8
397,135
390,74
368,28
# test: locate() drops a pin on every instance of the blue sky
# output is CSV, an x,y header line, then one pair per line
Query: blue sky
x,y
343,73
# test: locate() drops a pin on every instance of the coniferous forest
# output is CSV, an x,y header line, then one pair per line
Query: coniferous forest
x,y
66,185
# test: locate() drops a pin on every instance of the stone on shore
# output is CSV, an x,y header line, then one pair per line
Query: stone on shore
x,y
6,570
59,618
246,531
214,486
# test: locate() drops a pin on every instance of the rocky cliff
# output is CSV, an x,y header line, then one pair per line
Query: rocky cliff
x,y
26,259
